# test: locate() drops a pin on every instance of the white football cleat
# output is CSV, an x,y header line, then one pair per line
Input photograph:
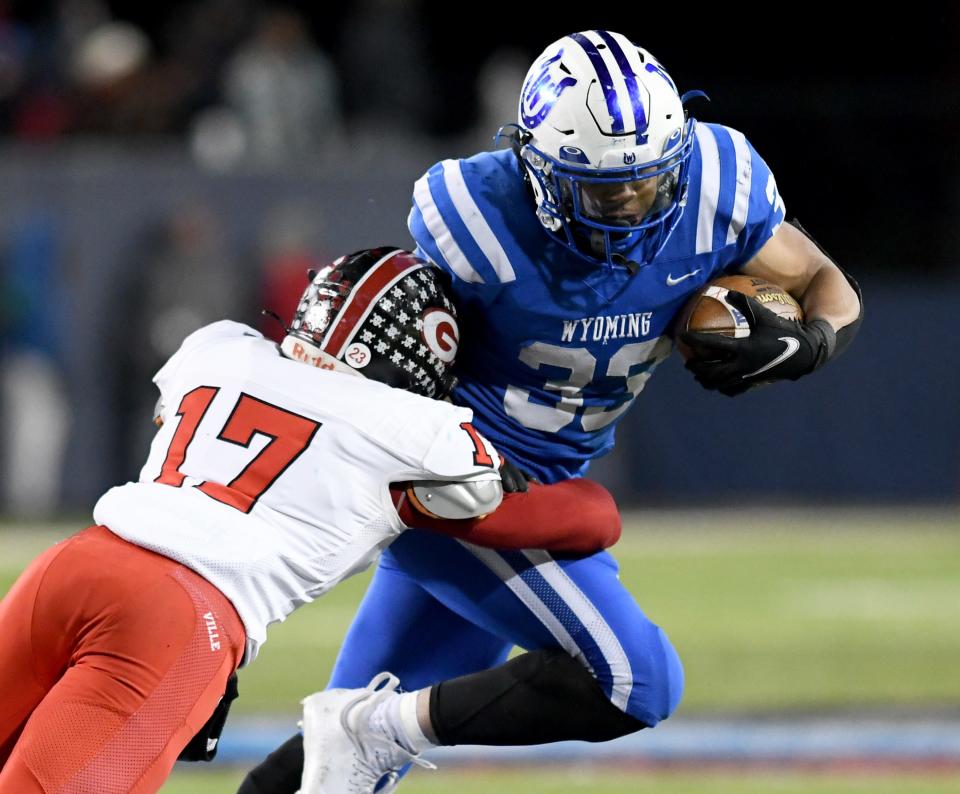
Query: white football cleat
x,y
342,755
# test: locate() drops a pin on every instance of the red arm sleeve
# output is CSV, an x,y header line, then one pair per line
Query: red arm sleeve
x,y
571,516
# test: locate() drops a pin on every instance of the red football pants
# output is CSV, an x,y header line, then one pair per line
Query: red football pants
x,y
111,659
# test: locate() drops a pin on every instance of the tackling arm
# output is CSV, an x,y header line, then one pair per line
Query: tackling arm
x,y
575,516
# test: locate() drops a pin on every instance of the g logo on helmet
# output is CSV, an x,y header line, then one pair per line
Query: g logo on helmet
x,y
441,333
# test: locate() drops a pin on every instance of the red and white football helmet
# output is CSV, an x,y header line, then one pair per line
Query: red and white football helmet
x,y
382,313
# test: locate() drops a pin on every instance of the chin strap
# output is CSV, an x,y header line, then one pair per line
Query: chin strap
x,y
515,135
274,316
695,94
629,264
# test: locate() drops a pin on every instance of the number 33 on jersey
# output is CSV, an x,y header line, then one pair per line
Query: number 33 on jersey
x,y
266,465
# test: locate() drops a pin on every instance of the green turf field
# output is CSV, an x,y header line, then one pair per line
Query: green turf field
x,y
811,612
769,611
593,781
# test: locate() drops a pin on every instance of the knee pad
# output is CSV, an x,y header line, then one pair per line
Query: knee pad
x,y
538,697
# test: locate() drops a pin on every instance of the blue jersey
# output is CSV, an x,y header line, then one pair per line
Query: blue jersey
x,y
554,349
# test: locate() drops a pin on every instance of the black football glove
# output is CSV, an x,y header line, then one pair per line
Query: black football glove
x,y
512,478
204,745
776,349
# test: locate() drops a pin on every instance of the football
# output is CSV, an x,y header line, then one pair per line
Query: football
x,y
709,312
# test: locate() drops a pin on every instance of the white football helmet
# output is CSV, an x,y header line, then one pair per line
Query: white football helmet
x,y
605,141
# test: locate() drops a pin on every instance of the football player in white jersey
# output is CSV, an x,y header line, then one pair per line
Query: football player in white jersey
x,y
275,474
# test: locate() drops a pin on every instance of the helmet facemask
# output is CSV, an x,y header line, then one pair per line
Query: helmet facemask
x,y
601,189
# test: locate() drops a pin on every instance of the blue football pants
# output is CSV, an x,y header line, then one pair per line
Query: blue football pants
x,y
438,608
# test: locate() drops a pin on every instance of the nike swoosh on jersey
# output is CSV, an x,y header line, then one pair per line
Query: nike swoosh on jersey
x,y
672,282
793,345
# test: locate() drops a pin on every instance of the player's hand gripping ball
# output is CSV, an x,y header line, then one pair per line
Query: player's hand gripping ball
x,y
709,311
738,332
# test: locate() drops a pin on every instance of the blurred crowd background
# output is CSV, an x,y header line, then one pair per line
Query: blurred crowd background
x,y
167,165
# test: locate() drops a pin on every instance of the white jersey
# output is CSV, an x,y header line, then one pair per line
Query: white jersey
x,y
270,478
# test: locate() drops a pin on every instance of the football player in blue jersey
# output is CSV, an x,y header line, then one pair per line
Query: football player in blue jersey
x,y
571,252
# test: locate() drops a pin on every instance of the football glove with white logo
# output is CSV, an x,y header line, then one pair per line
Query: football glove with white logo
x,y
776,349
